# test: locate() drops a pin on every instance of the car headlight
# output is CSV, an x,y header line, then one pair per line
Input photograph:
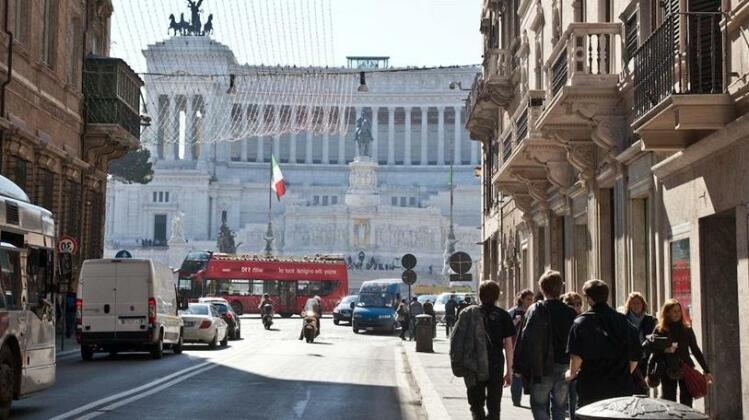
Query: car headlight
x,y
335,311
385,316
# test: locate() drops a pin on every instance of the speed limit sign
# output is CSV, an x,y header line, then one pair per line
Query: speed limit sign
x,y
67,245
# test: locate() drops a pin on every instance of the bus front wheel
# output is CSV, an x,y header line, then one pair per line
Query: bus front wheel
x,y
7,381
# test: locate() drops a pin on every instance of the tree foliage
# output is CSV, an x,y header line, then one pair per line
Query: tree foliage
x,y
134,167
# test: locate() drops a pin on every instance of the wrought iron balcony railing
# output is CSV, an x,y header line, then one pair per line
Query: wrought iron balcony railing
x,y
507,145
585,49
670,63
112,93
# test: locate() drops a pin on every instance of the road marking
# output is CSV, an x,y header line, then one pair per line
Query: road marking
x,y
301,406
187,372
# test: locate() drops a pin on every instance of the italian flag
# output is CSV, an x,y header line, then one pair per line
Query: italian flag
x,y
277,184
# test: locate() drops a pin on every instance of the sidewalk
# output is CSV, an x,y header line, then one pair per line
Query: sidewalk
x,y
65,346
443,396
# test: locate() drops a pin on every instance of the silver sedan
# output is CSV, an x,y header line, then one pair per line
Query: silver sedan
x,y
202,324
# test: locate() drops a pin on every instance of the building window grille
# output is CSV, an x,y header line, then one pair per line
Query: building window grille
x,y
393,201
334,200
49,32
155,196
412,201
325,200
316,200
631,30
403,201
21,21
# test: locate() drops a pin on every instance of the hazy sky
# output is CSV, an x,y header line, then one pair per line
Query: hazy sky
x,y
411,32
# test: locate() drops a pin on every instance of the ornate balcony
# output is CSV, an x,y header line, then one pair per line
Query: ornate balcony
x,y
490,91
679,89
112,96
582,75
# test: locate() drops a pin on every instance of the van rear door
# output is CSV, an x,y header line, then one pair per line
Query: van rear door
x,y
134,283
99,296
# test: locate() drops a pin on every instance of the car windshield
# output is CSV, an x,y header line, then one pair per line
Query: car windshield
x,y
197,310
424,298
444,298
375,300
220,307
348,299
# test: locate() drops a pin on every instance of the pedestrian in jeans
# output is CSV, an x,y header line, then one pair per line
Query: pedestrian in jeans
x,y
574,301
636,309
402,317
541,355
672,342
414,309
603,348
523,301
481,335
451,307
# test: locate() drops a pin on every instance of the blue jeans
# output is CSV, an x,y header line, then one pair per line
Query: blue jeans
x,y
551,391
516,389
573,399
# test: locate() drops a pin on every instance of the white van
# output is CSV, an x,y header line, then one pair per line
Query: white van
x,y
127,304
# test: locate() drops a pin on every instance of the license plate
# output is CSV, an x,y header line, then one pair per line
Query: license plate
x,y
131,321
189,324
370,328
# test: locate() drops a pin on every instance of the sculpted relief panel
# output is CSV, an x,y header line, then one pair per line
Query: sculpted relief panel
x,y
408,237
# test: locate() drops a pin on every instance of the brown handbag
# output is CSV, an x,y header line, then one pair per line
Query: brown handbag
x,y
696,381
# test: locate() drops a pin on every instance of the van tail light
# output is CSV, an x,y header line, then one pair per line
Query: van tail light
x,y
151,311
78,311
205,324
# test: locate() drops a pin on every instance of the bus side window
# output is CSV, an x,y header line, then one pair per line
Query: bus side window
x,y
270,287
11,278
39,276
302,288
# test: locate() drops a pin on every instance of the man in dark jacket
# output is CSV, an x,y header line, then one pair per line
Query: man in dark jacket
x,y
523,302
450,313
604,349
541,350
499,333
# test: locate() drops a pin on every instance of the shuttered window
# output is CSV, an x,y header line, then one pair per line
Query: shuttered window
x,y
631,34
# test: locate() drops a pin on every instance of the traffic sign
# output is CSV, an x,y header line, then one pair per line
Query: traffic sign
x,y
123,254
461,277
67,245
408,261
460,262
409,277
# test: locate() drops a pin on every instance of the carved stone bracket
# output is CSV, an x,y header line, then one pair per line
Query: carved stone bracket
x,y
581,154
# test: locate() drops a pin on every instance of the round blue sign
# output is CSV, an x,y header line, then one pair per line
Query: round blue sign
x,y
123,254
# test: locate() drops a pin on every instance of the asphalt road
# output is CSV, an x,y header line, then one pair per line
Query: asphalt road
x,y
266,375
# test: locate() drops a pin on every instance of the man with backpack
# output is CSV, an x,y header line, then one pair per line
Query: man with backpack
x,y
604,349
477,342
541,350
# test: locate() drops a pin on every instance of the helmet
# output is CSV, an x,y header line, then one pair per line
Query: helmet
x,y
266,296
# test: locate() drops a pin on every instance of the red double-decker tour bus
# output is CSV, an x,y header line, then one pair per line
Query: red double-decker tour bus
x,y
243,279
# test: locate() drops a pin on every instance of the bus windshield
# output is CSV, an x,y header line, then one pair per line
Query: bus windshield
x,y
375,300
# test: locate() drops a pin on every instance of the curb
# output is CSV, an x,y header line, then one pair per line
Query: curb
x,y
431,402
66,353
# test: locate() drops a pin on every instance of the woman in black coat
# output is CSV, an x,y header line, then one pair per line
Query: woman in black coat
x,y
636,309
672,342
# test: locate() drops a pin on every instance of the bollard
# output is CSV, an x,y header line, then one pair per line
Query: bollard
x,y
637,407
424,331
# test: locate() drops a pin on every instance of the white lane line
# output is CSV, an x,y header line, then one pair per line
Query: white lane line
x,y
123,394
145,394
157,382
301,406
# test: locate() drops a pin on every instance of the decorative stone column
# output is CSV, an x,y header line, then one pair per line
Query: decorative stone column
x,y
276,129
457,158
325,136
292,136
375,126
391,135
189,128
260,141
424,135
441,136
343,113
244,124
407,146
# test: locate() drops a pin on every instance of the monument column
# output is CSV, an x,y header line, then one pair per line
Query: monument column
x,y
292,136
189,128
424,138
474,153
243,111
169,128
343,115
391,135
407,154
375,126
325,135
457,158
260,140
276,130
441,136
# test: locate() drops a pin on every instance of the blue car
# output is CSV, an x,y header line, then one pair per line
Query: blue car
x,y
378,300
343,311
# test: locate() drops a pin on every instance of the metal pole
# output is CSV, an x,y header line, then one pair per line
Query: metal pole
x,y
269,232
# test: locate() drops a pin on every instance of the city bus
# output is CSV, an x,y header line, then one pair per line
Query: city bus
x,y
290,281
27,290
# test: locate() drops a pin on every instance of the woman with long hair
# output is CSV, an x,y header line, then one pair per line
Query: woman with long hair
x,y
672,342
636,309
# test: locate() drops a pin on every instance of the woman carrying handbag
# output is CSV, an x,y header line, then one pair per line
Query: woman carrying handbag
x,y
671,344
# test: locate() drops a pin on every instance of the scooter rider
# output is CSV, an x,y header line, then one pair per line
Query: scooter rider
x,y
314,305
265,300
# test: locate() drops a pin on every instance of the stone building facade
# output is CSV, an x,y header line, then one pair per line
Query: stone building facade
x,y
418,129
614,143
50,145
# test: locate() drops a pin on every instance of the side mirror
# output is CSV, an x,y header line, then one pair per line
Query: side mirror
x,y
353,304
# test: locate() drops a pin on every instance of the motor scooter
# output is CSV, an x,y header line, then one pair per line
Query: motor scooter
x,y
267,315
309,326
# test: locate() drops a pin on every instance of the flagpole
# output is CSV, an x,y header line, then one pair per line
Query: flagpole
x,y
269,233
